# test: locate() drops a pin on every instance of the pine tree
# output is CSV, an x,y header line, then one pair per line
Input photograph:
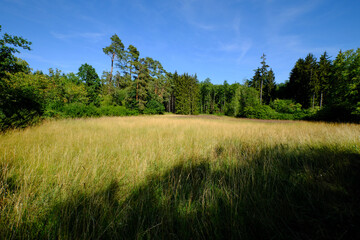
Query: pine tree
x,y
263,71
115,49
325,66
269,87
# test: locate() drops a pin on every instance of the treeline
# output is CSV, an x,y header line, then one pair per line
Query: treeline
x,y
332,86
324,89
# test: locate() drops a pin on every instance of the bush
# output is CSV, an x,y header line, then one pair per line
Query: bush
x,y
336,113
266,112
77,110
154,107
21,102
54,109
20,118
285,106
260,112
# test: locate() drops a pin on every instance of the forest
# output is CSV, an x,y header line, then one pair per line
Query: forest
x,y
322,89
194,163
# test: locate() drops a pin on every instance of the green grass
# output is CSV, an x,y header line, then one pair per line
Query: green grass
x,y
175,177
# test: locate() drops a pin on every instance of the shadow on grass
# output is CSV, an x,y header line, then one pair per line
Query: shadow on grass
x,y
280,193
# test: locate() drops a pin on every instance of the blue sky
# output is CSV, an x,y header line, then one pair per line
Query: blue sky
x,y
222,40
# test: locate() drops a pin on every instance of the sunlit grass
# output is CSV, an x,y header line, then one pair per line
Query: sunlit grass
x,y
177,177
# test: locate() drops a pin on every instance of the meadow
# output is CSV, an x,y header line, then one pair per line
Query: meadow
x,y
180,177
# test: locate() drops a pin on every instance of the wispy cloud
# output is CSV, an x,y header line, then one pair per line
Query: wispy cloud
x,y
196,14
279,19
236,25
90,36
41,59
238,48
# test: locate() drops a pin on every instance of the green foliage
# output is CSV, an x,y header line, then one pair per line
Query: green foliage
x,y
23,98
263,81
340,112
115,48
117,97
8,47
78,110
266,112
334,86
186,93
144,86
154,107
89,77
285,106
245,98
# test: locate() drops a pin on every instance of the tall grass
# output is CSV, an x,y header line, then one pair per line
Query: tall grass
x,y
179,177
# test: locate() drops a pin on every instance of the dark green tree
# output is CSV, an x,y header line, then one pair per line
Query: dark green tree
x,y
264,75
255,81
114,50
312,68
89,77
269,86
186,94
325,66
205,99
303,82
131,61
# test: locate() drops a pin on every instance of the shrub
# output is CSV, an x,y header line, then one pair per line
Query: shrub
x,y
260,112
336,113
154,107
21,101
77,110
285,106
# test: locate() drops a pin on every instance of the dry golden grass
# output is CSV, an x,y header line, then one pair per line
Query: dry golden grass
x,y
58,159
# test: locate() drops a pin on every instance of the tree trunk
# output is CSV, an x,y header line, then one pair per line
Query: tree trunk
x,y
137,90
261,90
321,99
223,110
111,71
313,101
173,103
168,105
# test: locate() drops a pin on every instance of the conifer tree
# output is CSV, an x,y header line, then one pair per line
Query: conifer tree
x,y
324,76
269,86
114,50
263,71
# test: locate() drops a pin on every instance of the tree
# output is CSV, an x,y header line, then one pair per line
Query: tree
x,y
115,49
345,83
131,61
303,82
311,66
89,77
263,81
157,79
205,89
269,87
325,66
8,47
245,98
18,104
186,93
263,71
255,81
141,83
